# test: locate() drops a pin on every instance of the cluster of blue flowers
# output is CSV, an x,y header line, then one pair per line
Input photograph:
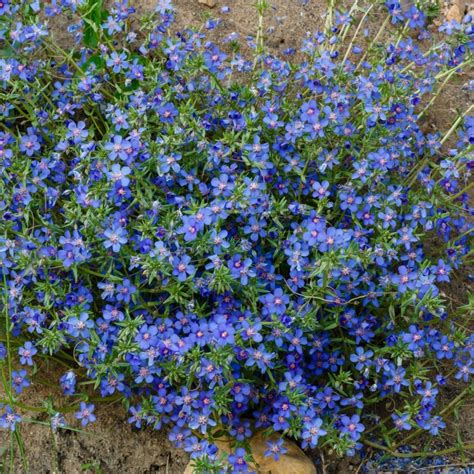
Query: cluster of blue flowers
x,y
228,244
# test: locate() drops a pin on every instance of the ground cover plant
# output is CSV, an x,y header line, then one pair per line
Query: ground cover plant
x,y
231,243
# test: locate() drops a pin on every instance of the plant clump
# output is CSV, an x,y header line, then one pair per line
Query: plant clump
x,y
231,243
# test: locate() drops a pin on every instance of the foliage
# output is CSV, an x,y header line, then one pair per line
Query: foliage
x,y
234,244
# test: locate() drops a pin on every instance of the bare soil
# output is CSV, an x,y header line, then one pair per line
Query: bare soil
x,y
110,445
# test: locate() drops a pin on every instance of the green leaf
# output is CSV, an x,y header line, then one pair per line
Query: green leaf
x,y
7,52
96,59
93,17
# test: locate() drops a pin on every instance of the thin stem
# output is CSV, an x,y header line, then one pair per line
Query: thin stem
x,y
402,32
455,125
459,66
447,409
468,446
413,63
411,178
345,29
329,17
359,26
24,407
369,47
259,43
440,88
460,193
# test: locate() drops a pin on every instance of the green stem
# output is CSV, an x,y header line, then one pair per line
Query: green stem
x,y
369,47
447,409
460,193
459,66
468,446
359,26
440,88
456,124
402,32
411,178
329,17
345,29
23,406
92,272
261,7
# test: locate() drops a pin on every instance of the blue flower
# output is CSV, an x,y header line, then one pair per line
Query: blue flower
x,y
199,448
361,358
26,353
125,290
465,370
397,379
9,419
320,189
57,421
118,174
190,228
164,5
111,25
414,338
434,425
201,422
352,426
86,413
167,113
77,132
79,326
222,186
405,280
68,382
261,358
275,303
416,18
402,422
19,380
117,147
182,268
237,460
115,238
29,143
275,449
117,61
311,433
241,269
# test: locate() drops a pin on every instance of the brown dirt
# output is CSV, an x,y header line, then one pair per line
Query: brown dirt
x,y
110,445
